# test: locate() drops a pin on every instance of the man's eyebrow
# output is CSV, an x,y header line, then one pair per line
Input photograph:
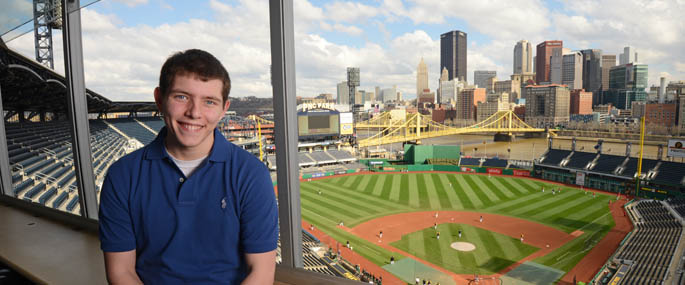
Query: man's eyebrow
x,y
178,91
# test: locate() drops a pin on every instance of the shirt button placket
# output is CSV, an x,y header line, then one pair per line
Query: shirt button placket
x,y
181,179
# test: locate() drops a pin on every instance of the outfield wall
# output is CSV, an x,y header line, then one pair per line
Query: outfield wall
x,y
430,167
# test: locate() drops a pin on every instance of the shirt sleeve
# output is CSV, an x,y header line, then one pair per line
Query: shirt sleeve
x,y
258,210
116,228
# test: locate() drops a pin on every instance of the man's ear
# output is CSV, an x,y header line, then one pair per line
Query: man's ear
x,y
158,99
227,104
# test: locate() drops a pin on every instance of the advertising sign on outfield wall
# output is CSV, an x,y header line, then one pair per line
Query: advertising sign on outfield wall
x,y
580,178
521,173
494,170
676,148
467,169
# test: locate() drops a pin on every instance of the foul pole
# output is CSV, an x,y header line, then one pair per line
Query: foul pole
x,y
639,161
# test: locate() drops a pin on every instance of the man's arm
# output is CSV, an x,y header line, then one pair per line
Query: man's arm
x,y
262,267
121,267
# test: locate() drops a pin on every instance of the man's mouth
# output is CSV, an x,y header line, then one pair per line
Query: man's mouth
x,y
190,127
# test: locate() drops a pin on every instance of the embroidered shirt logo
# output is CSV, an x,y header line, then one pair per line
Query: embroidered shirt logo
x,y
223,203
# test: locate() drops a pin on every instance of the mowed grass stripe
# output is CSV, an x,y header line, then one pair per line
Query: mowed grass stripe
x,y
423,191
459,191
479,192
574,201
524,187
514,188
322,208
395,188
348,180
495,181
413,191
354,185
440,191
450,192
569,225
357,197
336,198
404,190
580,209
487,183
365,182
473,237
386,186
429,189
315,201
453,230
432,248
522,203
377,186
509,204
543,201
478,180
535,185
475,201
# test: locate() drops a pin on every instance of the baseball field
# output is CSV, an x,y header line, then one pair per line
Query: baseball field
x,y
503,221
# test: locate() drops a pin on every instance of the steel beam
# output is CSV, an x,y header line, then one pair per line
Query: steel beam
x,y
78,108
5,176
286,136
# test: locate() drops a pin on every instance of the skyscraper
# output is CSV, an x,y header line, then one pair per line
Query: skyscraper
x,y
628,56
523,53
592,73
543,59
546,105
421,78
572,70
453,54
480,77
343,93
444,77
608,61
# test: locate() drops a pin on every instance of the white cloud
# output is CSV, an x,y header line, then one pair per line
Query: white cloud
x,y
351,30
122,62
132,3
350,12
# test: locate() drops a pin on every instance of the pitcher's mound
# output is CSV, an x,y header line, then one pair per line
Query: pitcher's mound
x,y
463,246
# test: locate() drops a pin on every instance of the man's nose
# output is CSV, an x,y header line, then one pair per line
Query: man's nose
x,y
193,109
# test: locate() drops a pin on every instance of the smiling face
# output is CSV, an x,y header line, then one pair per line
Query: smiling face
x,y
192,109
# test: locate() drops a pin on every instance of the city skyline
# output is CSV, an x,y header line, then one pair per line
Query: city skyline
x,y
126,40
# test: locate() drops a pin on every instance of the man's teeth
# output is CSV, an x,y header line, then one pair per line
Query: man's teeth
x,y
191,127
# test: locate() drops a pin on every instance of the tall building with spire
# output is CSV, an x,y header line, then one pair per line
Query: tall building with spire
x,y
453,54
444,77
421,78
523,54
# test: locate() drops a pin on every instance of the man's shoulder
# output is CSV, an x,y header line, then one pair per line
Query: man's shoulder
x,y
128,161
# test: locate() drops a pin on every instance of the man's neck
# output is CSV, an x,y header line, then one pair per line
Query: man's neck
x,y
186,153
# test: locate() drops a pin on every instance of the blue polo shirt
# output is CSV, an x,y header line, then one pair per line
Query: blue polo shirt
x,y
193,229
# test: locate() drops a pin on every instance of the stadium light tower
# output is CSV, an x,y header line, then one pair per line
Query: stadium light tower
x,y
47,15
352,83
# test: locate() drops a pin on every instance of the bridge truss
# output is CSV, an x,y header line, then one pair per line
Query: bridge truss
x,y
417,126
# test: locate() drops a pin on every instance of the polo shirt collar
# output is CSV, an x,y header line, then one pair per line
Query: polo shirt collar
x,y
219,152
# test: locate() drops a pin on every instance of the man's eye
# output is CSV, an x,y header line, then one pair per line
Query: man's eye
x,y
181,97
210,102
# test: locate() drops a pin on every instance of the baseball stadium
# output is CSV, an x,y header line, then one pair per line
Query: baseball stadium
x,y
384,197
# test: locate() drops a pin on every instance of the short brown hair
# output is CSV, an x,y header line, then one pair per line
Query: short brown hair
x,y
193,62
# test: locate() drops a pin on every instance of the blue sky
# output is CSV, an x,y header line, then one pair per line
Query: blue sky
x,y
126,41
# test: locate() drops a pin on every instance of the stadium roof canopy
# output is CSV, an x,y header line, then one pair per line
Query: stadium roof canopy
x,y
28,86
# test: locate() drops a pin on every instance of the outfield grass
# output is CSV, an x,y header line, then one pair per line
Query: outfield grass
x,y
493,252
359,198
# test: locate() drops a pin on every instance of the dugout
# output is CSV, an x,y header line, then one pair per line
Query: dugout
x,y
418,154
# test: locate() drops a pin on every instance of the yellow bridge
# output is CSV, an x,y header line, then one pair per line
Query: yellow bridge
x,y
415,127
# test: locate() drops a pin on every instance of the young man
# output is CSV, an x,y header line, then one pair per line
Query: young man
x,y
190,207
